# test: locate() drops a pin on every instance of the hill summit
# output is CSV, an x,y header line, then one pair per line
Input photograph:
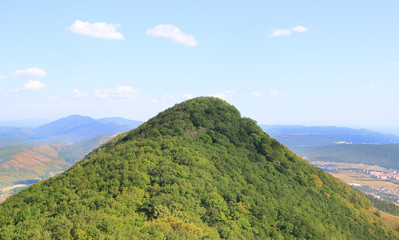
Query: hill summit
x,y
195,171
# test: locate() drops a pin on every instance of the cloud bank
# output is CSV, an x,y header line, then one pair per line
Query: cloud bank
x,y
96,30
173,33
33,85
286,32
29,72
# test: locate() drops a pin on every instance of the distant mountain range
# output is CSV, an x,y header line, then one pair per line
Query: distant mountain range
x,y
338,144
76,128
302,136
29,153
34,153
70,129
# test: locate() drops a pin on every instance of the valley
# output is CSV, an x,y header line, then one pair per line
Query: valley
x,y
366,160
380,182
50,149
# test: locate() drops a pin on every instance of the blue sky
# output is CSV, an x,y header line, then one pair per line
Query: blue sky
x,y
278,62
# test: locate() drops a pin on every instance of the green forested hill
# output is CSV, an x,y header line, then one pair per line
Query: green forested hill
x,y
196,171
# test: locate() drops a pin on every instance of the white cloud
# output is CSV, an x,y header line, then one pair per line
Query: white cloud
x,y
29,72
368,85
274,93
256,93
280,32
188,96
96,30
286,32
172,32
224,94
120,92
3,76
397,63
78,94
125,91
33,85
154,100
299,29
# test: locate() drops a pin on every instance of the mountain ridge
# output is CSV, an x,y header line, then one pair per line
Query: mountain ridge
x,y
196,170
70,129
295,136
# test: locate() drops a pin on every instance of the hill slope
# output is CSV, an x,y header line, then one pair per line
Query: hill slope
x,y
195,171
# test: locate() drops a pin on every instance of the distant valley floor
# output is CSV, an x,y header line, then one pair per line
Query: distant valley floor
x,y
380,182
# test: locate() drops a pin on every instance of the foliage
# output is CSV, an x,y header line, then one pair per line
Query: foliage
x,y
195,171
384,206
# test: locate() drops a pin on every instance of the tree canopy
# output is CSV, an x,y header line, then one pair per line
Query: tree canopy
x,y
195,171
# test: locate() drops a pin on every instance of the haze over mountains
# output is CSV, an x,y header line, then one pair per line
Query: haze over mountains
x,y
71,129
29,154
76,128
21,164
304,136
67,140
339,144
197,170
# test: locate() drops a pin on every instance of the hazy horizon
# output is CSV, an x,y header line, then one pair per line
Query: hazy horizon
x,y
32,123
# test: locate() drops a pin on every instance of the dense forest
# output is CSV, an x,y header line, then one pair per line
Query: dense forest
x,y
384,206
195,171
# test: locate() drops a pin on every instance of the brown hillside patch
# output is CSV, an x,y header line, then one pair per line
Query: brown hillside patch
x,y
388,219
48,150
31,159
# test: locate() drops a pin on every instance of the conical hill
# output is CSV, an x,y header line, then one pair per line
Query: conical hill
x,y
195,171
